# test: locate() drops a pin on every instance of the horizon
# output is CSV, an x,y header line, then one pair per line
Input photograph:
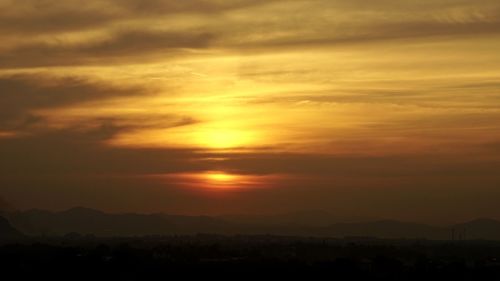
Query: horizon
x,y
259,218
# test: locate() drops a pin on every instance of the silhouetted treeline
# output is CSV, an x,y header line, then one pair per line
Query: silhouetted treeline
x,y
77,257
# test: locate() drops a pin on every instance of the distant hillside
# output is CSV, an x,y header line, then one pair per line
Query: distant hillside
x,y
7,231
478,229
88,221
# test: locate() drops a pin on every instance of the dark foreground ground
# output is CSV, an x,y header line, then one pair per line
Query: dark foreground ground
x,y
247,258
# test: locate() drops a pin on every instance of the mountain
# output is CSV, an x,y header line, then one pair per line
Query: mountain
x,y
7,231
482,228
88,221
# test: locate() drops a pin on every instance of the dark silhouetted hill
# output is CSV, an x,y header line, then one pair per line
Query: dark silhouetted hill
x,y
7,231
88,221
478,229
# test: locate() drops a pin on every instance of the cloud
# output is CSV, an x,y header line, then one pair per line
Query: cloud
x,y
450,97
30,105
72,167
82,152
40,17
137,31
36,147
351,167
121,47
339,34
24,93
323,23
50,16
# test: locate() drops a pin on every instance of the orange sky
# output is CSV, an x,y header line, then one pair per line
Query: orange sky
x,y
365,108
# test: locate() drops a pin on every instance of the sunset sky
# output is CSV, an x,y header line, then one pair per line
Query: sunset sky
x,y
362,108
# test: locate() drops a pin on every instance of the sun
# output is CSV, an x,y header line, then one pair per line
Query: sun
x,y
225,138
221,180
220,177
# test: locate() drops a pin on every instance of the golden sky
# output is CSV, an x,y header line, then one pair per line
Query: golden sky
x,y
358,107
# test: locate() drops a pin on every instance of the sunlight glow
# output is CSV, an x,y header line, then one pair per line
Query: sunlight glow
x,y
221,177
224,138
219,180
222,180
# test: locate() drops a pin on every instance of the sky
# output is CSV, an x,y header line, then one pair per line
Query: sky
x,y
380,109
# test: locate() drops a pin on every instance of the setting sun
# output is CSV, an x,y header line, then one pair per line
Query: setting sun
x,y
222,180
220,177
224,138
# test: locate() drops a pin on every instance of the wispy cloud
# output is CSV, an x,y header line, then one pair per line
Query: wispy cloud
x,y
24,93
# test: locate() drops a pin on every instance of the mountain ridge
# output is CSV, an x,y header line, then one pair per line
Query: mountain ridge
x,y
7,231
91,221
